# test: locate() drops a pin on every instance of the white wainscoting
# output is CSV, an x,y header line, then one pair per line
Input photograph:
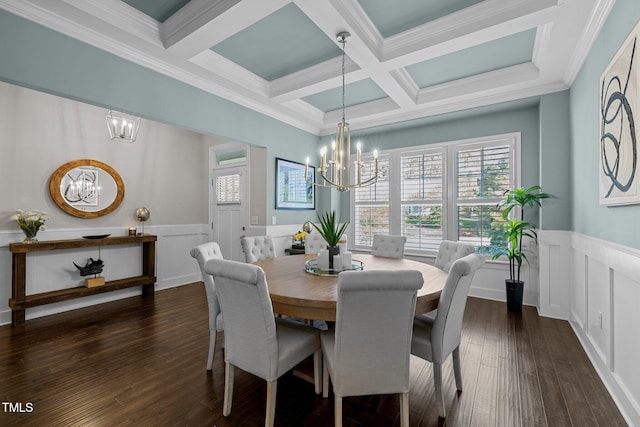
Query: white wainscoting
x,y
595,284
47,271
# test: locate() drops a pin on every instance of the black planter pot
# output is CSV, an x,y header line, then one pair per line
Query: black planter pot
x,y
515,290
333,250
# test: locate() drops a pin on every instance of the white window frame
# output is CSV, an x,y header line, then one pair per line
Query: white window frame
x,y
450,201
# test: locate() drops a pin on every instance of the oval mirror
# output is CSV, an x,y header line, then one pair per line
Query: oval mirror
x,y
86,188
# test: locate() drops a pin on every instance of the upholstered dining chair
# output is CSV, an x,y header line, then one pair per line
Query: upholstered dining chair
x,y
434,339
369,351
314,243
203,253
256,248
449,252
388,246
255,341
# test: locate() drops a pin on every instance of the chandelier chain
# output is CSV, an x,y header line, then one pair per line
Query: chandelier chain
x,y
344,43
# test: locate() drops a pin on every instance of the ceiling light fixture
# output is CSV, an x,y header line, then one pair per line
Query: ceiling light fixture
x,y
122,127
337,172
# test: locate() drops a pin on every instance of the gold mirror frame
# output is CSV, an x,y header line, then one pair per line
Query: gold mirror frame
x,y
58,175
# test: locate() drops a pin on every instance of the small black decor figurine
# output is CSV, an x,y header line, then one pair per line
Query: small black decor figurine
x,y
93,266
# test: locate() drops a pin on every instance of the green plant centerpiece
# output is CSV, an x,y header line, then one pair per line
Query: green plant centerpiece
x,y
511,235
331,231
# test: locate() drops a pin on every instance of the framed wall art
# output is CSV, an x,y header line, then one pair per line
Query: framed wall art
x,y
619,114
293,191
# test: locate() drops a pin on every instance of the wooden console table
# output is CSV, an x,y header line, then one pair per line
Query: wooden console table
x,y
20,301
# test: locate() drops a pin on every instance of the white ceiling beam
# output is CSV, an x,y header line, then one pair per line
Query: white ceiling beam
x,y
365,44
318,78
378,107
201,24
487,21
492,80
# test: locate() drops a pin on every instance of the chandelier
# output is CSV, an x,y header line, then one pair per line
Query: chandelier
x,y
122,127
336,173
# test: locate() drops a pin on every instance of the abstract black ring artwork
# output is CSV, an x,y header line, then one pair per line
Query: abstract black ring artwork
x,y
619,109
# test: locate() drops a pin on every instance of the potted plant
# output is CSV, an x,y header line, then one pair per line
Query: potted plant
x,y
511,235
331,231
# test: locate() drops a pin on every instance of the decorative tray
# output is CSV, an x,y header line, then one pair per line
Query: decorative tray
x,y
311,267
97,236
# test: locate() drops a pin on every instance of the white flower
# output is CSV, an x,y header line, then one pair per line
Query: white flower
x,y
30,221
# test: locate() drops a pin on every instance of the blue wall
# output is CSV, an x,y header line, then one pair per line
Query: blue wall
x,y
38,58
528,117
619,224
555,161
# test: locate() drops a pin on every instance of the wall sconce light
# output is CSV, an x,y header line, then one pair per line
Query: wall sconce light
x,y
122,127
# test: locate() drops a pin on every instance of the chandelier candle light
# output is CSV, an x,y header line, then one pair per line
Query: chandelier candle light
x,y
122,127
336,173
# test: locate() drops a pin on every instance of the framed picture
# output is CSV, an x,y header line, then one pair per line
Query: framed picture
x,y
619,121
292,189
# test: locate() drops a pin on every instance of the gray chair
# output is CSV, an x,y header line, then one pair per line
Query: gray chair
x,y
313,243
434,339
257,248
255,341
388,246
449,252
202,254
369,352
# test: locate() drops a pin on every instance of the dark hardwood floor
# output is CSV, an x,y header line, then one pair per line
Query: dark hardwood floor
x,y
131,363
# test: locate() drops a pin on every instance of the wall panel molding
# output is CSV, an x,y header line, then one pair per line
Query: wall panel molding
x,y
595,285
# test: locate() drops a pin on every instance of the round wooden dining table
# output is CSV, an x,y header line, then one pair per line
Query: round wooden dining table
x,y
295,292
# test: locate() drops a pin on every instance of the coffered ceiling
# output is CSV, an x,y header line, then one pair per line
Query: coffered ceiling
x,y
406,59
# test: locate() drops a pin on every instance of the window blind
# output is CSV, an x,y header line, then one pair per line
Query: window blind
x,y
228,189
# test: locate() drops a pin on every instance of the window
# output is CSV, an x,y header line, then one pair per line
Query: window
x,y
436,192
228,189
372,205
422,198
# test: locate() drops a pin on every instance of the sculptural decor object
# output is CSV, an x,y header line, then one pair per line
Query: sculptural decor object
x,y
93,266
142,215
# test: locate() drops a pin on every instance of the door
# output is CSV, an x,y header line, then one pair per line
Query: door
x,y
228,205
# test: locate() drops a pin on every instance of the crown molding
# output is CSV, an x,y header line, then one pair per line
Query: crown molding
x,y
407,83
366,109
460,24
492,80
450,106
307,110
317,78
191,17
541,44
598,17
355,16
221,66
121,16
